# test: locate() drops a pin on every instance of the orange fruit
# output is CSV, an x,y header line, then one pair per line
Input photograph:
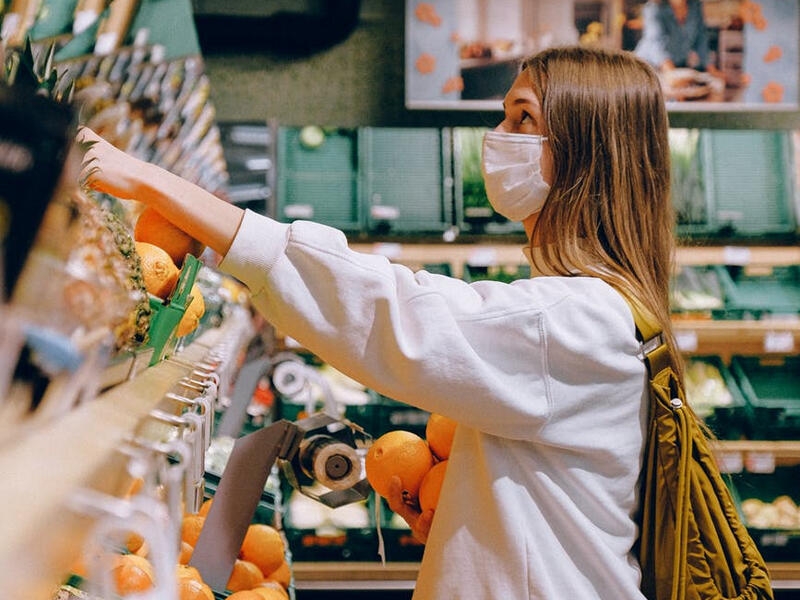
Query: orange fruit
x,y
269,590
185,553
131,574
245,595
401,453
282,575
152,227
193,313
191,525
159,271
143,550
263,546
439,433
192,589
431,486
133,542
187,572
244,576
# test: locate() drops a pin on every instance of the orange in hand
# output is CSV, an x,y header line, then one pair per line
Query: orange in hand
x,y
431,486
439,432
401,453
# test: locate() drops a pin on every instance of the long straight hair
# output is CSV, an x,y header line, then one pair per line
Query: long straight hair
x,y
609,211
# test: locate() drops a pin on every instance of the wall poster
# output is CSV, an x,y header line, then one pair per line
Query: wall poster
x,y
712,55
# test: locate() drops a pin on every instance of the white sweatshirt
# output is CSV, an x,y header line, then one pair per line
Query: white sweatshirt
x,y
543,376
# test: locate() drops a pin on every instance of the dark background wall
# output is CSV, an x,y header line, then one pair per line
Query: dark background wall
x,y
360,81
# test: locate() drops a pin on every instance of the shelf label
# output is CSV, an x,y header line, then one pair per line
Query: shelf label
x,y
778,341
730,462
483,257
389,250
760,462
298,211
736,255
384,213
686,340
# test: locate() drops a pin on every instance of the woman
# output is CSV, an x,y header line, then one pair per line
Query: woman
x,y
544,375
674,35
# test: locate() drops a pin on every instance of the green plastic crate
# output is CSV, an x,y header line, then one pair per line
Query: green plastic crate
x,y
771,385
704,377
319,182
696,291
404,186
734,184
776,543
328,542
760,295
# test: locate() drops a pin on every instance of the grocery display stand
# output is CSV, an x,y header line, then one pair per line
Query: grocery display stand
x,y
44,470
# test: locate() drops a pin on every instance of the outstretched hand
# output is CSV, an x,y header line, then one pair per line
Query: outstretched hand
x,y
106,168
399,502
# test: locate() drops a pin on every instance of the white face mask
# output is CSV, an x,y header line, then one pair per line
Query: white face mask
x,y
512,173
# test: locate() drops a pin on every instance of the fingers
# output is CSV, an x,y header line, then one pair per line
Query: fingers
x,y
399,500
401,503
422,527
85,135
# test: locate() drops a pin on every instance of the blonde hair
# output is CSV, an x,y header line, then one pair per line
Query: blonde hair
x,y
609,211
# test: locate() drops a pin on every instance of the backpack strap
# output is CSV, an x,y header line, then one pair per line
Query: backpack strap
x,y
656,356
654,348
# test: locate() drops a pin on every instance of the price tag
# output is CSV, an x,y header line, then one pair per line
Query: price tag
x,y
298,211
730,462
686,340
483,257
390,251
736,255
778,341
760,462
384,213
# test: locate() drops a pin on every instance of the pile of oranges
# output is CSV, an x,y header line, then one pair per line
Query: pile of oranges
x,y
162,248
261,571
419,462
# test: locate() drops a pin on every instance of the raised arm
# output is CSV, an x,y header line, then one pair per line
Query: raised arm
x,y
202,215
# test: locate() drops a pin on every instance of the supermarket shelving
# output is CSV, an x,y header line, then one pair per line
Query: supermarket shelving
x,y
43,469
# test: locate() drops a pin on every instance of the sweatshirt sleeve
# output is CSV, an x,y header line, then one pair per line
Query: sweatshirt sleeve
x,y
424,339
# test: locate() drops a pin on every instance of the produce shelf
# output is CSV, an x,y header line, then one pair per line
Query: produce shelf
x,y
44,467
401,576
726,338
